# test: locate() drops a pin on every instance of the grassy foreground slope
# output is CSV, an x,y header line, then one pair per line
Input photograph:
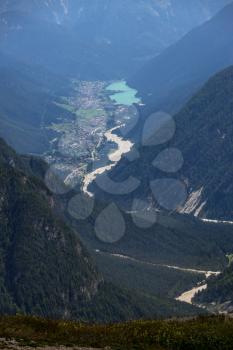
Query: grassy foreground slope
x,y
202,333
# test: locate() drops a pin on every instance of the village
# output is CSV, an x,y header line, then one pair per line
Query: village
x,y
80,137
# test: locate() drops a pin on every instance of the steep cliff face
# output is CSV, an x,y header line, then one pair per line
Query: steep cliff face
x,y
44,268
204,135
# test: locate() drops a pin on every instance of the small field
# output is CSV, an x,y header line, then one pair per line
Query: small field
x,y
90,113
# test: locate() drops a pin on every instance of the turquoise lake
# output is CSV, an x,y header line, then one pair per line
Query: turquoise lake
x,y
123,94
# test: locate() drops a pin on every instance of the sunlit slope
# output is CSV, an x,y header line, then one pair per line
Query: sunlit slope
x,y
203,135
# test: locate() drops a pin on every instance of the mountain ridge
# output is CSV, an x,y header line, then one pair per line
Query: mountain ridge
x,y
203,136
99,25
170,79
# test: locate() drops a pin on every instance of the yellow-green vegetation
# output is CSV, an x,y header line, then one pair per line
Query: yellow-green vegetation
x,y
60,127
84,116
90,113
68,107
203,333
230,258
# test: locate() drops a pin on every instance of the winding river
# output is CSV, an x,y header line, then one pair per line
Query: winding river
x,y
124,95
187,296
123,147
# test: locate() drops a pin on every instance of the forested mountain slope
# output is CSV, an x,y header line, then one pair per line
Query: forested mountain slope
x,y
177,240
44,269
37,249
219,293
203,139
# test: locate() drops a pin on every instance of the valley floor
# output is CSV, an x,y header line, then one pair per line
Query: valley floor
x,y
88,136
187,295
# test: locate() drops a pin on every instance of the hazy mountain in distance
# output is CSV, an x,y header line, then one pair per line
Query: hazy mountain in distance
x,y
98,38
27,96
168,80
